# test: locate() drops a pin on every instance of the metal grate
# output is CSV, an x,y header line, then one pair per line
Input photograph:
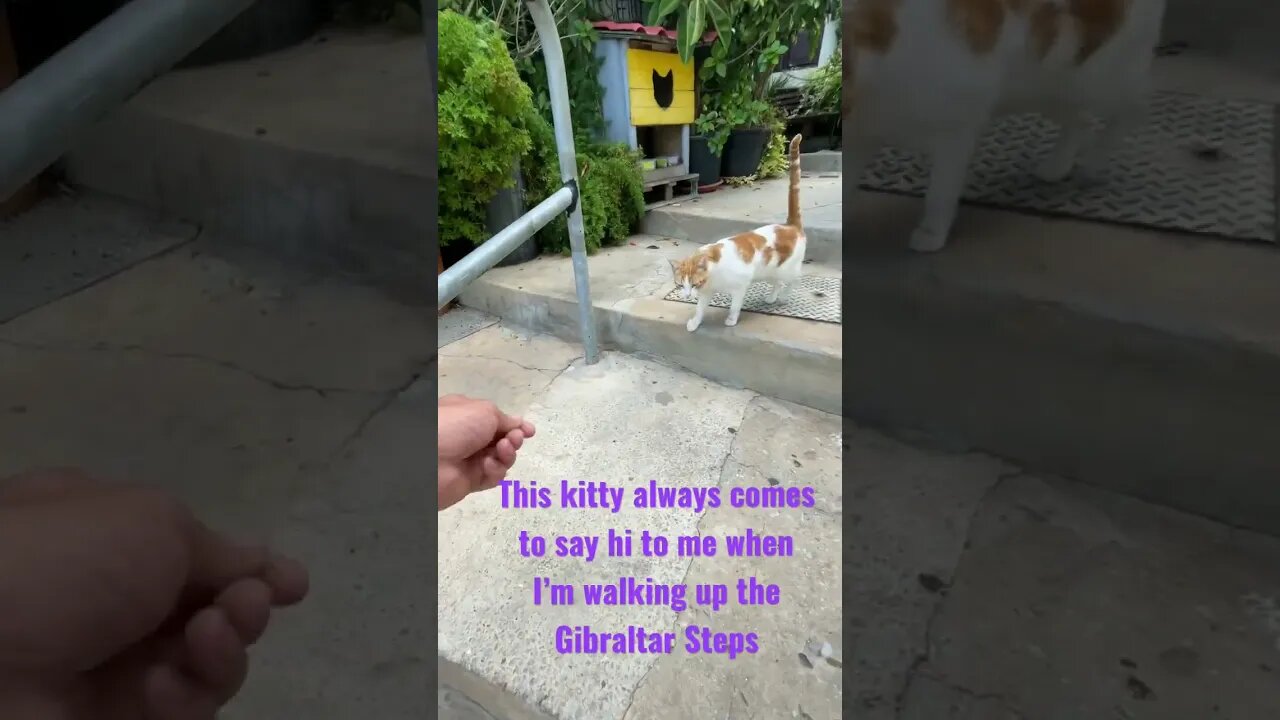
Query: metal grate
x,y
812,298
1200,165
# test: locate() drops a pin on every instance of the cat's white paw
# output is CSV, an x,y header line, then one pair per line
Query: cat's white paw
x,y
1053,169
692,324
773,298
730,321
927,240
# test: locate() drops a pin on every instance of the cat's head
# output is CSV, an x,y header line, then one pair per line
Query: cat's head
x,y
690,274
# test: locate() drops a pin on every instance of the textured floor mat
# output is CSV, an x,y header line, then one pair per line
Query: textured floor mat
x,y
1200,165
813,298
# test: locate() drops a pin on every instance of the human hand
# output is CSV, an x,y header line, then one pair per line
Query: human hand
x,y
477,446
118,604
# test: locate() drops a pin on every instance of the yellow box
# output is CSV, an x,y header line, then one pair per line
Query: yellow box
x,y
642,64
646,111
661,88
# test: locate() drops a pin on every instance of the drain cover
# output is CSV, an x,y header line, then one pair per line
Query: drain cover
x,y
1200,165
813,298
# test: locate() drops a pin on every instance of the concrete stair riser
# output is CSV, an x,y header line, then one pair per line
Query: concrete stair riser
x,y
792,371
1186,422
325,211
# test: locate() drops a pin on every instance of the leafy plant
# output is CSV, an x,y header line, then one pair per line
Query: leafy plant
x,y
610,184
577,43
751,35
728,111
821,90
481,128
774,163
715,127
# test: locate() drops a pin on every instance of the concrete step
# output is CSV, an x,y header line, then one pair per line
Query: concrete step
x,y
1144,362
822,161
335,174
784,358
729,211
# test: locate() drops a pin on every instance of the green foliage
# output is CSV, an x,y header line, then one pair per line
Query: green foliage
x,y
821,91
728,111
751,35
715,127
481,132
609,178
577,42
774,163
693,19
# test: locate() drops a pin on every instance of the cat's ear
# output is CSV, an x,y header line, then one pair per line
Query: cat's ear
x,y
702,262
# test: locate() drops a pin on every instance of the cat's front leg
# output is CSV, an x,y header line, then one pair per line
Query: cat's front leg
x,y
704,299
776,292
737,297
1073,135
1120,124
947,174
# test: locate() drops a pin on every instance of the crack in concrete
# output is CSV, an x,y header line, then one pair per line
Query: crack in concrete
x,y
916,668
975,695
505,360
376,410
724,461
321,390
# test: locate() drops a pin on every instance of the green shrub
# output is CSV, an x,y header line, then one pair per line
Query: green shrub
x,y
610,184
821,91
482,132
577,44
774,162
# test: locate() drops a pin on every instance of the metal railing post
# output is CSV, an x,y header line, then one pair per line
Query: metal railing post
x,y
558,86
42,114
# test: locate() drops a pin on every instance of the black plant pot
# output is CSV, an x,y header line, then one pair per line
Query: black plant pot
x,y
505,208
702,162
743,152
266,26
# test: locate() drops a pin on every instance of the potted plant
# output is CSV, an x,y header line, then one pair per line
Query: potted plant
x,y
748,120
706,146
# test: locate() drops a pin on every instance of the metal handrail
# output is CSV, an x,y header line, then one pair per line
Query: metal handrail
x,y
453,281
44,112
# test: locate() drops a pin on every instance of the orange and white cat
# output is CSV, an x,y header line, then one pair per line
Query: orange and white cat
x,y
930,75
774,253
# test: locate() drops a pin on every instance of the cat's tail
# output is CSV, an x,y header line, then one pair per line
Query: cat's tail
x,y
793,196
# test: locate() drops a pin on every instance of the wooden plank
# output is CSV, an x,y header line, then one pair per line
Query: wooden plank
x,y
28,194
654,178
669,192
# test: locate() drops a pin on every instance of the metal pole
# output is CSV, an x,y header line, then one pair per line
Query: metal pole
x,y
453,281
42,114
563,121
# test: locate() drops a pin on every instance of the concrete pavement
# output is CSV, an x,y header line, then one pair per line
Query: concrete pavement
x,y
285,406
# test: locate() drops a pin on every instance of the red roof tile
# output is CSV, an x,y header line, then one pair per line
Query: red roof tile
x,y
640,29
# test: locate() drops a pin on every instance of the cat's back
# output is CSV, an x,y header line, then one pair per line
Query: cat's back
x,y
766,246
913,58
973,37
